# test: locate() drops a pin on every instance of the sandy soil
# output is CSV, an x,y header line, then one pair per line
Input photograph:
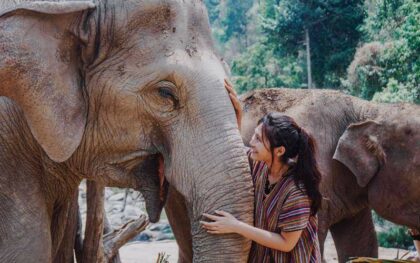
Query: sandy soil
x,y
148,252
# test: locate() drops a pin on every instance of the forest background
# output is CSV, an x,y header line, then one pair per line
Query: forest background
x,y
366,48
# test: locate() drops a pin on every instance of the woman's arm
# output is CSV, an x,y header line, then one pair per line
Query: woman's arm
x,y
285,241
227,223
235,102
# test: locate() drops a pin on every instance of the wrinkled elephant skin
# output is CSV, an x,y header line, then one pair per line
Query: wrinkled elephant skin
x,y
105,91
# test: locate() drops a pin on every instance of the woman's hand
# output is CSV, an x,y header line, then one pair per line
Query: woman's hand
x,y
227,223
235,102
223,224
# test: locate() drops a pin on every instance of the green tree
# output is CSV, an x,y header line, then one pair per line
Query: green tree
x,y
384,17
392,72
213,8
258,68
234,21
333,33
230,21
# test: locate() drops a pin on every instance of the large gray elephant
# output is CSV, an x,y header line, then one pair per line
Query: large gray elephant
x,y
368,154
97,90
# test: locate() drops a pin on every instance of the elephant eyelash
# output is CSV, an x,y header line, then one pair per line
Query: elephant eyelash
x,y
166,92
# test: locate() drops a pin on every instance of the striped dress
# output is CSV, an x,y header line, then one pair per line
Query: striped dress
x,y
286,208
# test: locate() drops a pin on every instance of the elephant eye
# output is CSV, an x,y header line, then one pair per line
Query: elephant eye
x,y
166,91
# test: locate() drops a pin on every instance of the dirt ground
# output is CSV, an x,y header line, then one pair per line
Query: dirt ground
x,y
148,252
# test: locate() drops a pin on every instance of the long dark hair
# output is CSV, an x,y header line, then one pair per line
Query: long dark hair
x,y
281,130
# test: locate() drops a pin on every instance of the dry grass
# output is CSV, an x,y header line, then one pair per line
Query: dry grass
x,y
162,258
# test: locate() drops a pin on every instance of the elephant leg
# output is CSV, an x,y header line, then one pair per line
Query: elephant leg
x,y
177,213
355,236
65,252
24,228
322,235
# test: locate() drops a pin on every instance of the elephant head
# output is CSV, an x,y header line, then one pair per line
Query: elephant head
x,y
383,156
110,88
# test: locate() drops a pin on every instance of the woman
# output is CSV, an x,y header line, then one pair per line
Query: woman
x,y
287,197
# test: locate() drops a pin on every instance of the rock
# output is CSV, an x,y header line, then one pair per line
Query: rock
x,y
142,237
158,226
117,197
165,236
167,230
146,235
108,193
116,220
131,211
113,209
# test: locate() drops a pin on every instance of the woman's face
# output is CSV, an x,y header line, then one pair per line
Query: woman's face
x,y
259,150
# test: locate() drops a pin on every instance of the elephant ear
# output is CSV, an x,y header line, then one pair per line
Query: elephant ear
x,y
360,150
40,70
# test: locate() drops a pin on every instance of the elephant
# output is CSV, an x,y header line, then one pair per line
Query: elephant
x,y
112,91
367,153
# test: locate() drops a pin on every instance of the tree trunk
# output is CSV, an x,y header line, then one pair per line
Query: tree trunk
x,y
108,229
308,58
65,251
116,239
78,242
102,242
93,250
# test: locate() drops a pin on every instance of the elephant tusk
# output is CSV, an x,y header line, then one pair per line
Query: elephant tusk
x,y
162,182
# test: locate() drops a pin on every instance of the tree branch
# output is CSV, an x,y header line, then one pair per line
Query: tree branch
x,y
116,239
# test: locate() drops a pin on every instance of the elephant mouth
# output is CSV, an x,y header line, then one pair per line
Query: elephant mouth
x,y
148,169
153,186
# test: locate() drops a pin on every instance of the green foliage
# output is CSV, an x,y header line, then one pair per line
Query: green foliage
x,y
391,235
333,33
258,68
395,237
263,41
213,10
391,73
365,74
235,20
377,220
384,17
230,21
398,92
229,18
276,28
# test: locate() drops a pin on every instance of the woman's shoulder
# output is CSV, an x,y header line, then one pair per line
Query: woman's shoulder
x,y
292,187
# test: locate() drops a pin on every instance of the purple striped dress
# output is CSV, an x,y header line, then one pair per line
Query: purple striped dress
x,y
285,209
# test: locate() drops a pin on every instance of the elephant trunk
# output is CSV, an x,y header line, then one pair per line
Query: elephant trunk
x,y
224,184
214,175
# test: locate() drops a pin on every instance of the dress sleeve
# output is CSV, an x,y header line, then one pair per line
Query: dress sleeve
x,y
295,211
